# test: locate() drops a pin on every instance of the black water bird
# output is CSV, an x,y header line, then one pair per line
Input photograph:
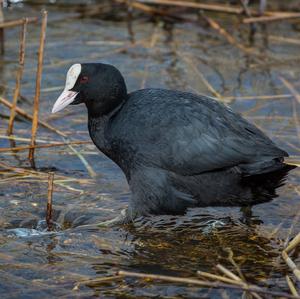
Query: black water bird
x,y
177,149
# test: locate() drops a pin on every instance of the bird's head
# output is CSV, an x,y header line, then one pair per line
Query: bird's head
x,y
100,86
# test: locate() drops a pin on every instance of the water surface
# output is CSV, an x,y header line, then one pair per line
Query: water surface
x,y
35,263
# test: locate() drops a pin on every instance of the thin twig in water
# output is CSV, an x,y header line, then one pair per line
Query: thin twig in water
x,y
291,265
203,283
237,267
296,95
37,88
19,77
86,164
191,64
204,6
22,148
262,97
17,22
232,276
26,115
217,27
291,286
49,201
228,273
1,29
291,88
218,277
273,18
292,244
152,44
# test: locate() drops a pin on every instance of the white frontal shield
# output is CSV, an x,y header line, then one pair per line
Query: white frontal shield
x,y
68,96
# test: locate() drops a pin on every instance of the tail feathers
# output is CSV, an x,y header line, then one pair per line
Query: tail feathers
x,y
262,167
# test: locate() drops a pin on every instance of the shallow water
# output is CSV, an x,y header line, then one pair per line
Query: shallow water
x,y
36,263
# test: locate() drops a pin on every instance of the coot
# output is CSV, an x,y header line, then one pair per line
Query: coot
x,y
173,146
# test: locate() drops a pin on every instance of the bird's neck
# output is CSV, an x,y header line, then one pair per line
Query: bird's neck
x,y
98,128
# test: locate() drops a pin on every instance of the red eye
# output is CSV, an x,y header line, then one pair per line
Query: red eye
x,y
84,79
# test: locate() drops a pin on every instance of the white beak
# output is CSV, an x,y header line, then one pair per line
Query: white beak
x,y
66,98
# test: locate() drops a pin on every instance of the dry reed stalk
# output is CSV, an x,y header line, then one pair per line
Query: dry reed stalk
x,y
237,267
1,29
291,88
232,276
127,46
227,280
16,138
218,277
296,95
217,27
49,201
188,4
19,77
214,7
291,265
271,18
86,164
22,148
191,64
17,23
291,286
37,88
262,97
228,273
203,283
43,175
281,39
150,10
26,115
152,43
292,245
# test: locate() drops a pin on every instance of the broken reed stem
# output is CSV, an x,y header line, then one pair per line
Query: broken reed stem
x,y
192,65
271,18
151,10
228,273
216,26
49,201
187,4
296,95
203,283
292,244
218,277
291,88
86,164
291,265
16,22
26,115
291,286
234,277
1,29
38,88
22,148
217,8
19,77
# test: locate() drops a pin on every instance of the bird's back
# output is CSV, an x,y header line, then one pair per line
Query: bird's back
x,y
189,134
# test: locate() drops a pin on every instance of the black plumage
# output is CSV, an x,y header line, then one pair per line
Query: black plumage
x,y
173,145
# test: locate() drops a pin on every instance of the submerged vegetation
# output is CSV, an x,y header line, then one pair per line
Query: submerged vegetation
x,y
55,185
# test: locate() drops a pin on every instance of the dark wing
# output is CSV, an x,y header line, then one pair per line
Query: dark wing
x,y
211,136
190,134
